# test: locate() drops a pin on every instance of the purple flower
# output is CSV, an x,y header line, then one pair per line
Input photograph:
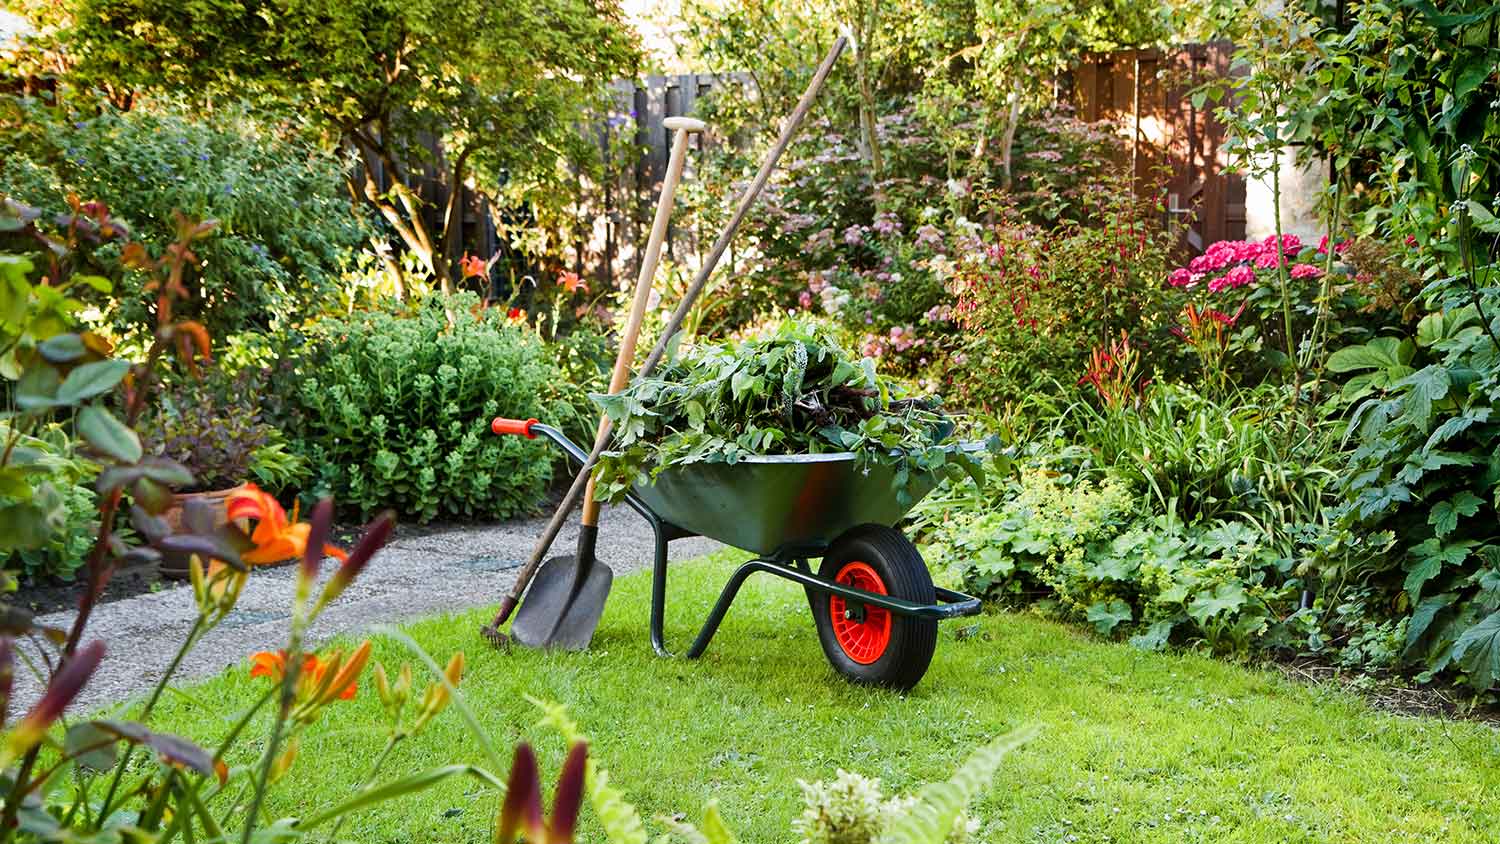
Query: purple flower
x,y
854,235
885,224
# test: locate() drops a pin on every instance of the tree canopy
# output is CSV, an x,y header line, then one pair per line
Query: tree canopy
x,y
500,84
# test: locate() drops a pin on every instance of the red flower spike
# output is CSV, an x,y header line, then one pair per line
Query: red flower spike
x,y
522,810
376,534
7,677
568,797
317,539
65,686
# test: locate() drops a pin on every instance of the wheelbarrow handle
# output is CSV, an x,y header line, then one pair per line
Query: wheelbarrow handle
x,y
514,427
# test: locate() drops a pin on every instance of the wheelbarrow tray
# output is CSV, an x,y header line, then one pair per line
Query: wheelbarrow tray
x,y
781,504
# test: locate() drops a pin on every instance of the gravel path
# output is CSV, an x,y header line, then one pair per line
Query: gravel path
x,y
417,574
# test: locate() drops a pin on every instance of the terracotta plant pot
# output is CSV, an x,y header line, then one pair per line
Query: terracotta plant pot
x,y
174,564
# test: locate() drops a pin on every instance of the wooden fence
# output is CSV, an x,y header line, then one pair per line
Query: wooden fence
x,y
1147,93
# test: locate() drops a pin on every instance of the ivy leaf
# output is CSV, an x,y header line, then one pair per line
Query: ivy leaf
x,y
1226,597
1444,515
1478,651
1430,556
1107,616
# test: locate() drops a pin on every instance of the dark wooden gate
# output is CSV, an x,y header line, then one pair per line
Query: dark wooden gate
x,y
1148,94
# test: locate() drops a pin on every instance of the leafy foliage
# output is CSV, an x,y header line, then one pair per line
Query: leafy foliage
x,y
390,408
212,426
63,537
378,78
793,392
285,231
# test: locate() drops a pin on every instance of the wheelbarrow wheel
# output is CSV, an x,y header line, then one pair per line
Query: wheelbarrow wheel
x,y
869,644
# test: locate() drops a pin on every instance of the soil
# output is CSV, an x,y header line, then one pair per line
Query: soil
x,y
56,595
1398,694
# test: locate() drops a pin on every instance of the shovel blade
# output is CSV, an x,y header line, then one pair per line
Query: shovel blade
x,y
555,614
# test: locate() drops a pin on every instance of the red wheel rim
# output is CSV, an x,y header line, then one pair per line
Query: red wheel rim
x,y
862,641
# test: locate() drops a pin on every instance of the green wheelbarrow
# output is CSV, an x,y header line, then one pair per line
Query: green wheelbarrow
x,y
872,599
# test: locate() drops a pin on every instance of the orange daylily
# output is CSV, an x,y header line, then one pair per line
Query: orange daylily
x,y
276,537
571,282
473,266
321,681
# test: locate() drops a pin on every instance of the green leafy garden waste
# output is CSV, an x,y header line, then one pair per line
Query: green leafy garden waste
x,y
793,390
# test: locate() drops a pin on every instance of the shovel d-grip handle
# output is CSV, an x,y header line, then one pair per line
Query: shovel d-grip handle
x,y
513,427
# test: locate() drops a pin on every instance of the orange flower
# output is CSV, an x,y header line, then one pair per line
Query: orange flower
x,y
473,266
321,681
276,537
571,282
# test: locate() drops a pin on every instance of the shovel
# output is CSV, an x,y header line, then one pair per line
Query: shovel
x,y
566,598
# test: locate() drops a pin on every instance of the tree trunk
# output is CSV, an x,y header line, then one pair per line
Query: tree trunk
x,y
1008,137
865,24
406,220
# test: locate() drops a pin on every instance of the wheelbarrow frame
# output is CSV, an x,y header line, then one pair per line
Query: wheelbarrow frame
x,y
789,562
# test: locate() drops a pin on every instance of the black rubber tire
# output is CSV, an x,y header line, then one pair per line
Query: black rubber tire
x,y
904,572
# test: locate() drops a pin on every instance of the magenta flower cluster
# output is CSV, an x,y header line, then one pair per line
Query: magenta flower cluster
x,y
1232,264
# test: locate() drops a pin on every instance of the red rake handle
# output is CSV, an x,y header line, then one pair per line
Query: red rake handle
x,y
513,427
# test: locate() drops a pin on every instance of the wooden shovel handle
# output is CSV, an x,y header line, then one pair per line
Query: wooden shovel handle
x,y
682,126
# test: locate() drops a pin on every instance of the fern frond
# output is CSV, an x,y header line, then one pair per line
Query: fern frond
x,y
938,804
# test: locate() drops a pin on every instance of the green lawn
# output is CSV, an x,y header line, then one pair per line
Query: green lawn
x,y
1135,746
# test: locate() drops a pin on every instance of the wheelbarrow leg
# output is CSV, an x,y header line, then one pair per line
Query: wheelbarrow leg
x,y
726,597
659,593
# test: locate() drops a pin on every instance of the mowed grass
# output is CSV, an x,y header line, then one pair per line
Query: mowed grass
x,y
1135,747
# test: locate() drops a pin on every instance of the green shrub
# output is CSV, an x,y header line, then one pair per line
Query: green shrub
x,y
70,527
285,228
1421,491
1080,549
392,409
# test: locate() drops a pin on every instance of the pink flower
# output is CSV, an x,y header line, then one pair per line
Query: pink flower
x,y
1338,248
805,300
887,224
1180,277
1222,254
1236,277
1202,264
854,235
1305,271
1268,259
1290,244
1247,250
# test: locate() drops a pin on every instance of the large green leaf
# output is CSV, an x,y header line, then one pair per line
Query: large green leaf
x,y
1478,651
1444,515
91,379
1426,386
1380,353
1422,616
1106,616
108,435
1429,558
1226,597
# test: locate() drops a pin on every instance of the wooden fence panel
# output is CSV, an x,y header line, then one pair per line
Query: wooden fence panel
x,y
1147,94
